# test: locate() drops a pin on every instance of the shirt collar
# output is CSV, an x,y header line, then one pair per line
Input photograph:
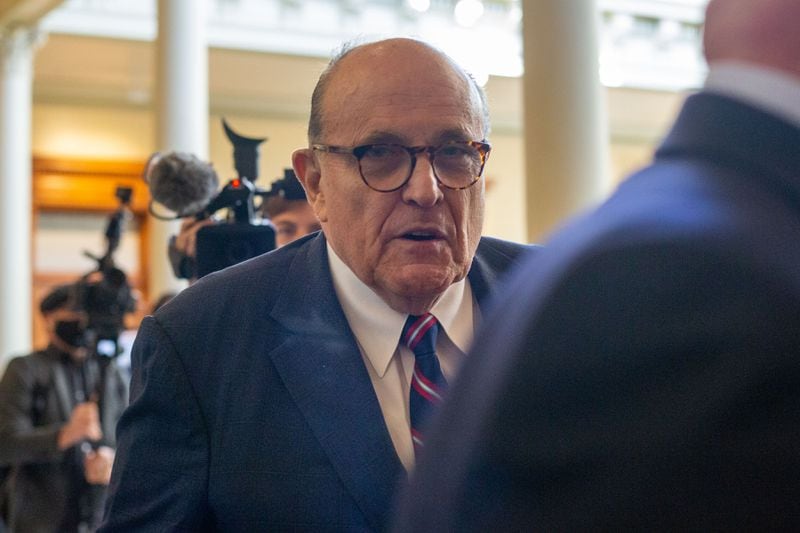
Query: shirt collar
x,y
377,327
770,89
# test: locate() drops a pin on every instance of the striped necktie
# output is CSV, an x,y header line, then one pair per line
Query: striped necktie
x,y
427,382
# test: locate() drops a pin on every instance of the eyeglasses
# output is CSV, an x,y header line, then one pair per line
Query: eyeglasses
x,y
388,167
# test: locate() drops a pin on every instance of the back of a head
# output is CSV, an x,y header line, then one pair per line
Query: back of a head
x,y
162,300
285,193
763,32
58,298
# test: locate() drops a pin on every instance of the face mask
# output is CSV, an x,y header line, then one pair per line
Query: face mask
x,y
71,332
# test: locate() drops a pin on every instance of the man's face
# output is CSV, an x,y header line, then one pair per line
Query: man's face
x,y
411,244
296,220
63,327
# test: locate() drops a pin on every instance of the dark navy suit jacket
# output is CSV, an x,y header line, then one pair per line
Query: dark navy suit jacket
x,y
252,410
643,371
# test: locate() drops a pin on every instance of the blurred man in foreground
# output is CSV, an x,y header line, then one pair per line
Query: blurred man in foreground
x,y
645,375
277,394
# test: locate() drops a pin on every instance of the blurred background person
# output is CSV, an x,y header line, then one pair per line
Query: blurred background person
x,y
57,426
288,209
161,300
127,336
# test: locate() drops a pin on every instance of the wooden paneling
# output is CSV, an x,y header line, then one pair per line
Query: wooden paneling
x,y
72,185
87,185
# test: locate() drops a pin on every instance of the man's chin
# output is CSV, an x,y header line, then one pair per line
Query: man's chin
x,y
422,280
415,288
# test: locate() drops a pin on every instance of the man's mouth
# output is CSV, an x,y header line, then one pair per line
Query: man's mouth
x,y
422,235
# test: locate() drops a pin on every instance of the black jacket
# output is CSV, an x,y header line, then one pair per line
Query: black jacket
x,y
45,486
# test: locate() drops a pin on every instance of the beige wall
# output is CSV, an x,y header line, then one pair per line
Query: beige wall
x,y
94,132
629,155
283,137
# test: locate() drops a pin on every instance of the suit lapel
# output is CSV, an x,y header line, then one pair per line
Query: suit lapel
x,y
322,368
481,276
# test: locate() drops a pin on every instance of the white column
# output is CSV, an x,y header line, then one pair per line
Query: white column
x,y
566,131
16,79
181,109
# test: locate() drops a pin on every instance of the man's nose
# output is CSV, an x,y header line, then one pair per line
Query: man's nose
x,y
422,187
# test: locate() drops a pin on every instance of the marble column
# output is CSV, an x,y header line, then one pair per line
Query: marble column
x,y
16,79
181,109
565,122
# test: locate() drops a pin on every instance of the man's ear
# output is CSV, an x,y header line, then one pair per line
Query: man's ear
x,y
307,171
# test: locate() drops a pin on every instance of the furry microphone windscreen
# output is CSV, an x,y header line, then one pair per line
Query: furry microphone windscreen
x,y
182,183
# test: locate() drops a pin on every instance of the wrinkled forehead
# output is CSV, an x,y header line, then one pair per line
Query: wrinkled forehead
x,y
397,86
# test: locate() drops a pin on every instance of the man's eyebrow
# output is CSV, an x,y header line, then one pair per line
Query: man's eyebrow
x,y
454,135
385,137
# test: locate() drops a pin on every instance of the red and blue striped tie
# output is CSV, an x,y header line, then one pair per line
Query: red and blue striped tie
x,y
427,382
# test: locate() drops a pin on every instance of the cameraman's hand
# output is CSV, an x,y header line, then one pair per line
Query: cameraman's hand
x,y
97,465
186,240
83,424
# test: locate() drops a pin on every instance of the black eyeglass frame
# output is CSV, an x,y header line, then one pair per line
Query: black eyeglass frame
x,y
358,152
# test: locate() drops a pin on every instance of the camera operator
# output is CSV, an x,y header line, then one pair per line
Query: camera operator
x,y
289,210
185,179
57,426
285,206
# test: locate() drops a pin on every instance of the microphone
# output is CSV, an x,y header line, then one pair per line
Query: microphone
x,y
182,183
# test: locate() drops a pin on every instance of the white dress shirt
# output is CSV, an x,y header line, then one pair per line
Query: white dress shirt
x,y
769,89
377,329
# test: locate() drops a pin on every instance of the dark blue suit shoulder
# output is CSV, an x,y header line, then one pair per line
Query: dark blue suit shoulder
x,y
503,251
245,289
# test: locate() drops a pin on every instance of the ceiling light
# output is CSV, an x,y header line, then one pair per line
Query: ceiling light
x,y
468,12
419,5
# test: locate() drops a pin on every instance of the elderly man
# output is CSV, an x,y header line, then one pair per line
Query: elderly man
x,y
277,394
644,373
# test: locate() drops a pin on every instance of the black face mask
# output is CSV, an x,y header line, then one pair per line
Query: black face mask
x,y
72,332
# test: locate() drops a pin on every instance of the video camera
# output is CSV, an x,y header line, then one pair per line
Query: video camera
x,y
187,187
104,294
